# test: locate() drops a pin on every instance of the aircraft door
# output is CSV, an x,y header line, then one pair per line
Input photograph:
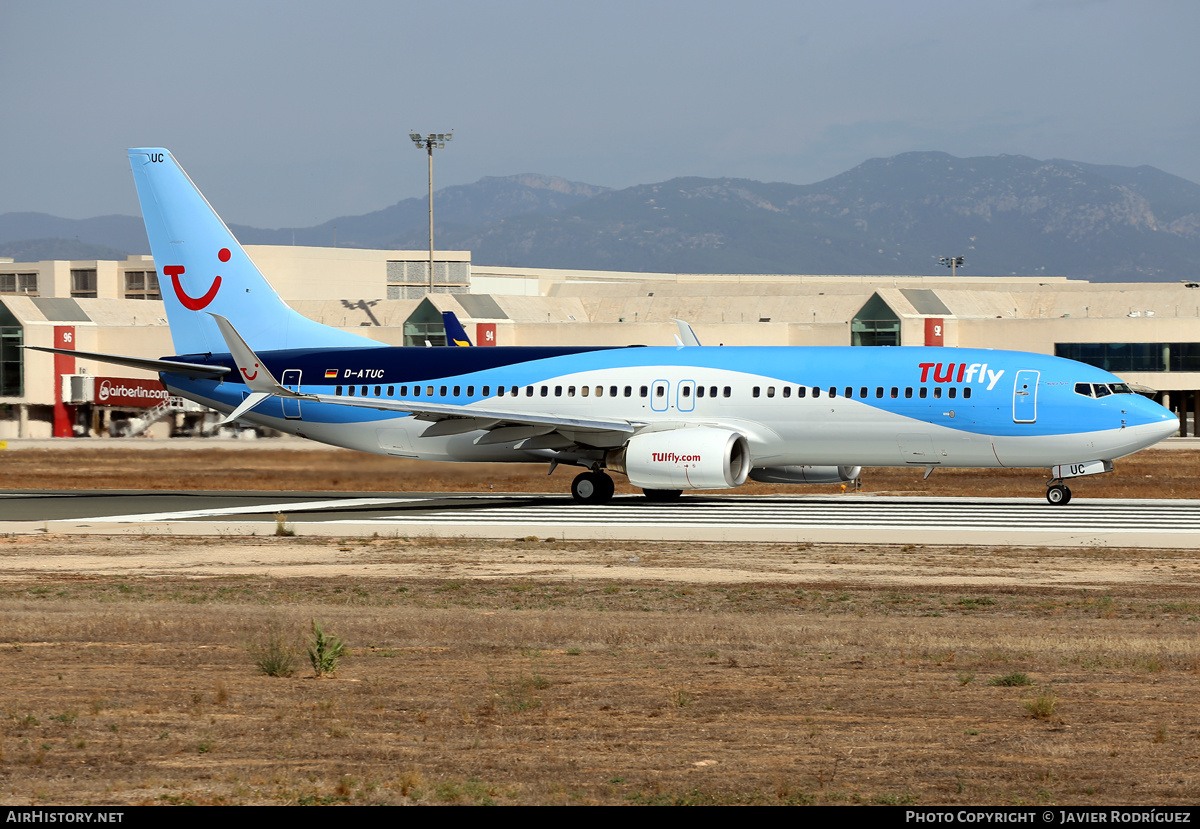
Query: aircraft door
x,y
917,449
291,382
686,396
1025,396
660,395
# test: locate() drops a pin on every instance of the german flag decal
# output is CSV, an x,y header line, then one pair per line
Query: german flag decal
x,y
331,373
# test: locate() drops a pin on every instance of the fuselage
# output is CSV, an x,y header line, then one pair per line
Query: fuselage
x,y
795,405
669,419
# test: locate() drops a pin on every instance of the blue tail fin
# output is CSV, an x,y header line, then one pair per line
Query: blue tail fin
x,y
455,335
204,271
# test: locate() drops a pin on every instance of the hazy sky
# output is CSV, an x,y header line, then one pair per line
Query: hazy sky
x,y
291,113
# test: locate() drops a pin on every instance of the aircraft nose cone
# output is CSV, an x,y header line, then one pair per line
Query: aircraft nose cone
x,y
1150,421
1166,428
1159,421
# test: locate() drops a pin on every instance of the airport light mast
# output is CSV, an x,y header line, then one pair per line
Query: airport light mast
x,y
428,142
951,262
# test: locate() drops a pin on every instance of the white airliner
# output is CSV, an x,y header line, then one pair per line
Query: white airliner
x,y
670,419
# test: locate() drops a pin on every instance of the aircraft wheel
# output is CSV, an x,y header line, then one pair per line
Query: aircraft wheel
x,y
662,495
607,487
592,488
1058,495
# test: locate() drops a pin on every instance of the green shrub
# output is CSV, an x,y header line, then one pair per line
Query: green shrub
x,y
276,656
1042,706
325,651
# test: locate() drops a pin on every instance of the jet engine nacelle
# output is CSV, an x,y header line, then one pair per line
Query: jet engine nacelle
x,y
699,458
805,474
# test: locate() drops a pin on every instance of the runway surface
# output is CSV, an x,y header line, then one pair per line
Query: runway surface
x,y
833,518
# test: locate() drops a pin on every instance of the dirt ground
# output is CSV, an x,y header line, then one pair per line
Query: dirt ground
x,y
1154,473
530,671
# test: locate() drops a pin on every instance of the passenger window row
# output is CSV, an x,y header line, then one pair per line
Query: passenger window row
x,y
864,392
660,390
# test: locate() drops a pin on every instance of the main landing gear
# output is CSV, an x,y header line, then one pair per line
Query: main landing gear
x,y
595,487
592,487
1058,493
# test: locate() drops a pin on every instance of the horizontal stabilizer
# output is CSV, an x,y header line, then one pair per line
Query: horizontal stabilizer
x,y
192,370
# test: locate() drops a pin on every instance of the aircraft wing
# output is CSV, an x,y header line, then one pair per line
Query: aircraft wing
x,y
501,424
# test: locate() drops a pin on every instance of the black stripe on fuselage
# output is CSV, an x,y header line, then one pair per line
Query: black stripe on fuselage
x,y
390,364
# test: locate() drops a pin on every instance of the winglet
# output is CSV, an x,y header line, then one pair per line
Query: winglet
x,y
686,335
246,405
256,375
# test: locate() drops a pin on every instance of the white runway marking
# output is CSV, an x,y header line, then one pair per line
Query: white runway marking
x,y
844,513
882,519
214,512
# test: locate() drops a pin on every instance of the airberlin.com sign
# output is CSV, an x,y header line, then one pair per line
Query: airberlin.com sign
x,y
122,391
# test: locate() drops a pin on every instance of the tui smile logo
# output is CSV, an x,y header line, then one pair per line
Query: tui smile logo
x,y
190,302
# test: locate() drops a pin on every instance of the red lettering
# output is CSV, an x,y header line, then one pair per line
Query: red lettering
x,y
671,457
938,377
925,371
190,302
961,368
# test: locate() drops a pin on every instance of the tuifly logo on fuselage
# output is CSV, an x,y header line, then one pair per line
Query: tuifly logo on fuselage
x,y
973,373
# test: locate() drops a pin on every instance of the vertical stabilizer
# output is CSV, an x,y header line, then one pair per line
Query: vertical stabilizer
x,y
202,270
455,335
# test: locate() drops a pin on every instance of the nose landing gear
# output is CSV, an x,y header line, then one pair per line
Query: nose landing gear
x,y
1058,493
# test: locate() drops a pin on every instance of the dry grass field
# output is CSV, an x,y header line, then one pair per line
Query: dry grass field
x,y
605,673
1150,474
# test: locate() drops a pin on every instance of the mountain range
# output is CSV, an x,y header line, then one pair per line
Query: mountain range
x,y
1004,214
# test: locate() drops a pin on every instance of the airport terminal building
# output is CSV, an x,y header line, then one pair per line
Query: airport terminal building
x,y
1146,333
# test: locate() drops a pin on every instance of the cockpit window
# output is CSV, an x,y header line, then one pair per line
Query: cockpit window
x,y
1102,389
